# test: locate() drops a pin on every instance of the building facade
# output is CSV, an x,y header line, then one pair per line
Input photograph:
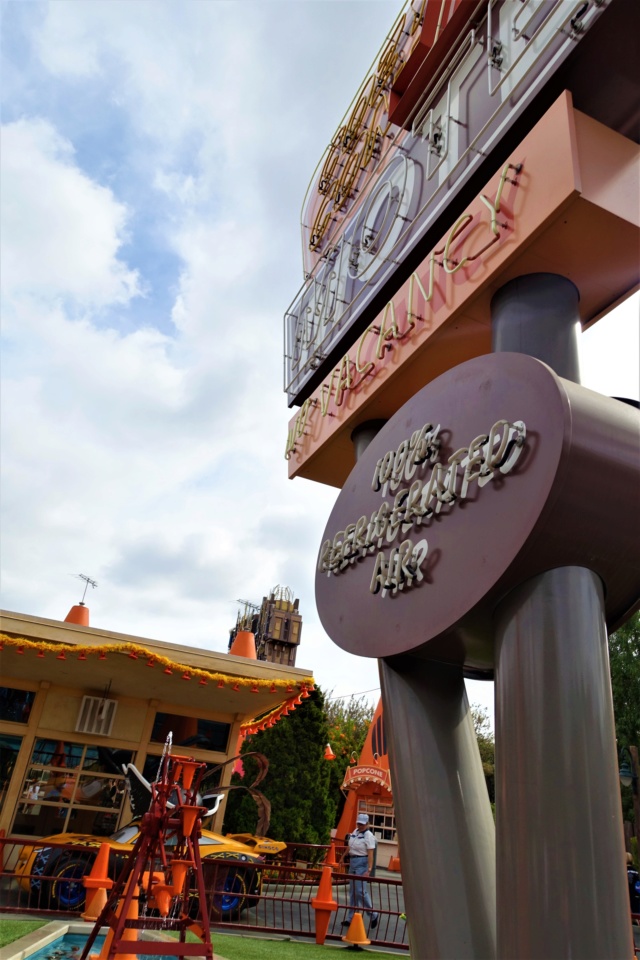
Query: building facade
x,y
78,702
367,784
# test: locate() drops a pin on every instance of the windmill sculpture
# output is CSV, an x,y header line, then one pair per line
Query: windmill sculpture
x,y
162,869
161,884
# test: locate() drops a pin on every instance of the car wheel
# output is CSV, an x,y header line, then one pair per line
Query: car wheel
x,y
231,888
67,891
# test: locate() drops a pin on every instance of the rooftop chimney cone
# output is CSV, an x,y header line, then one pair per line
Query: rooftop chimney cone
x,y
78,614
244,645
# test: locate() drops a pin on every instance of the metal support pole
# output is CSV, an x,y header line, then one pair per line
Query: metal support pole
x,y
560,847
446,832
562,886
539,315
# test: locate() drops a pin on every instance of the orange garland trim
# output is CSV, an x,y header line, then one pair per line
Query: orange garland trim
x,y
134,651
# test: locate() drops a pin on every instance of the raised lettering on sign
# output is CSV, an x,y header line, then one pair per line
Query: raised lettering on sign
x,y
486,456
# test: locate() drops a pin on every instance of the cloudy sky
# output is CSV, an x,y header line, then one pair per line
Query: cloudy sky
x,y
154,160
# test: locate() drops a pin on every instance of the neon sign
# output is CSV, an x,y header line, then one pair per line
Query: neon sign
x,y
380,187
469,239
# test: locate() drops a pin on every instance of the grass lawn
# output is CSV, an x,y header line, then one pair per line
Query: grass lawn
x,y
251,948
11,930
231,947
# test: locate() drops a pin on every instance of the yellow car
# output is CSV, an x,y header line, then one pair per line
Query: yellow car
x,y
50,870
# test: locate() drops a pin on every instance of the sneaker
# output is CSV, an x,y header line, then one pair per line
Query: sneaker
x,y
374,923
345,923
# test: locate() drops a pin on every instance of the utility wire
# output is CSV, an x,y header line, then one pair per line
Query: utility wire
x,y
360,694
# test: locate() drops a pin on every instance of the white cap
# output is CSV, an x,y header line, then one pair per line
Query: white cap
x,y
362,818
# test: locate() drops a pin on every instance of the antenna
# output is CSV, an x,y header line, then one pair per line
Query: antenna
x,y
87,581
244,620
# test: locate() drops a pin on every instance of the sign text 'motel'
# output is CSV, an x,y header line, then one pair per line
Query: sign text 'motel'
x,y
469,239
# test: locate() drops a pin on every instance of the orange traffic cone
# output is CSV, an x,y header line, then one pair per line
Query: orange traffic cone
x,y
129,933
150,881
394,864
324,905
355,934
244,645
97,883
189,767
189,816
178,874
163,894
330,859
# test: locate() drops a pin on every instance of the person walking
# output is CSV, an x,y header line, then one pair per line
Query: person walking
x,y
362,849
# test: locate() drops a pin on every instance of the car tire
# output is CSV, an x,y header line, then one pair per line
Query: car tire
x,y
67,892
236,888
60,886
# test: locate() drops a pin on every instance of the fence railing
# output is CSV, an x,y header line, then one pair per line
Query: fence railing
x,y
271,896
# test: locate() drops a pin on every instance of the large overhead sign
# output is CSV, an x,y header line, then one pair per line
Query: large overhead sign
x,y
491,474
560,201
451,79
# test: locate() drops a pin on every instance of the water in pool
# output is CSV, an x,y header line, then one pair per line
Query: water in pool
x,y
70,946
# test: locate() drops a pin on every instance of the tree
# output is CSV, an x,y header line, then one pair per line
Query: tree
x,y
297,784
624,660
486,746
349,722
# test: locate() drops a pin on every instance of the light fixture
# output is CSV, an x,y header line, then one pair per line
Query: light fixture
x,y
626,772
328,753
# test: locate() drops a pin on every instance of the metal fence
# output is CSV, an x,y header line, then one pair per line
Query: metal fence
x,y
271,896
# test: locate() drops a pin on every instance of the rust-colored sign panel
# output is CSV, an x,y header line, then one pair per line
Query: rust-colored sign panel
x,y
492,474
566,201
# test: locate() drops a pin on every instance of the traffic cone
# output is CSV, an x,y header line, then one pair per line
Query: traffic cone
x,y
355,934
330,859
189,815
244,645
324,905
150,881
178,874
162,895
189,767
97,883
129,933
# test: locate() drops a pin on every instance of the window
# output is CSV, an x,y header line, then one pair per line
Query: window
x,y
150,772
379,738
382,819
191,732
71,787
15,705
9,749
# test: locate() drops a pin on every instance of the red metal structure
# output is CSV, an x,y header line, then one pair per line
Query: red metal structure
x,y
162,873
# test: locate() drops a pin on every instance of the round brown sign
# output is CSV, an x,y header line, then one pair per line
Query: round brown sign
x,y
472,487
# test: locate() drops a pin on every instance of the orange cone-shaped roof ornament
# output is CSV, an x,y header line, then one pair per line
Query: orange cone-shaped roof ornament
x,y
244,645
328,753
78,614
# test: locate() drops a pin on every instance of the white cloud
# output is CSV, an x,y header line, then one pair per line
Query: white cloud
x,y
151,458
61,231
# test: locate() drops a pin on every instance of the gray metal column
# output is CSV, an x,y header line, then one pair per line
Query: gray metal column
x,y
538,314
446,832
562,887
560,848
